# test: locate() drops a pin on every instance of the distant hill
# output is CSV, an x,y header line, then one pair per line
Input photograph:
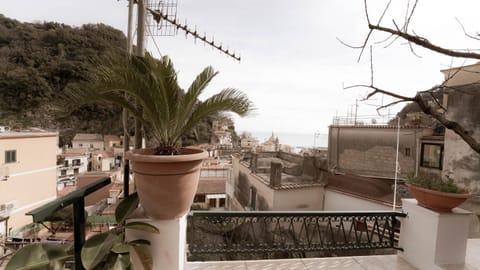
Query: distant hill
x,y
38,61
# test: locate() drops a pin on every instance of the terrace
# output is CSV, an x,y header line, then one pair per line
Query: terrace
x,y
310,240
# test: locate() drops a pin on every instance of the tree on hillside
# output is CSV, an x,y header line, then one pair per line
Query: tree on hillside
x,y
38,61
427,100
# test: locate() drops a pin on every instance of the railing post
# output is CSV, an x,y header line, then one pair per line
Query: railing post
x,y
126,178
79,230
77,198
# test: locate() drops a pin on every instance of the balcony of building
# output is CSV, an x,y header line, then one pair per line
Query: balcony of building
x,y
417,238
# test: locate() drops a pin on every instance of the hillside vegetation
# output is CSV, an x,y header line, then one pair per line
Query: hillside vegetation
x,y
39,60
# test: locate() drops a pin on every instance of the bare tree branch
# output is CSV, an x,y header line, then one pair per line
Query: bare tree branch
x,y
426,100
348,45
423,42
428,109
465,31
452,125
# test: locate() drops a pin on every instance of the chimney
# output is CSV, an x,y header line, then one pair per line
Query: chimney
x,y
253,162
275,174
309,168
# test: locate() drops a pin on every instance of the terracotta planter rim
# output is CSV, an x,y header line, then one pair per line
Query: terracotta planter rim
x,y
146,155
455,195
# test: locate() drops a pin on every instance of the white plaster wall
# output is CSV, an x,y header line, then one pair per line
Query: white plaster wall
x,y
337,201
32,180
107,163
304,199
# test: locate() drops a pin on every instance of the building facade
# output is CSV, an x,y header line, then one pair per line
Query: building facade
x,y
276,181
27,175
461,163
371,151
88,141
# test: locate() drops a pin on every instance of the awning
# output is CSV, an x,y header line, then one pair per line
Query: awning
x,y
216,196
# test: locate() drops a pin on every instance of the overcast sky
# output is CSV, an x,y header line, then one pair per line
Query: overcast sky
x,y
292,68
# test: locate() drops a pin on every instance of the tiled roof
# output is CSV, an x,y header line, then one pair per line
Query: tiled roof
x,y
104,153
211,186
287,181
87,137
95,197
111,138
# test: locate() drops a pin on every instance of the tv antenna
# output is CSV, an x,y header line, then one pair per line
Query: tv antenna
x,y
160,19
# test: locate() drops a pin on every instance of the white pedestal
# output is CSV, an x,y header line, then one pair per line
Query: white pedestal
x,y
431,239
167,248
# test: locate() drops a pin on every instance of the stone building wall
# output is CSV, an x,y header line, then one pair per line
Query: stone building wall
x,y
371,151
461,163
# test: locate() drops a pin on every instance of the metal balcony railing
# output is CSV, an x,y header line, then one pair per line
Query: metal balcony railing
x,y
269,232
77,198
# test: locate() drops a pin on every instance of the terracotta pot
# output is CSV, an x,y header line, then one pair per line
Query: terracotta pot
x,y
166,185
437,200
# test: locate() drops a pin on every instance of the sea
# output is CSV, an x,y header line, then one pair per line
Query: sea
x,y
298,140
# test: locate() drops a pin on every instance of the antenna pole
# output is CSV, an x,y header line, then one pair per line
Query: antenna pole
x,y
140,52
126,135
396,167
141,9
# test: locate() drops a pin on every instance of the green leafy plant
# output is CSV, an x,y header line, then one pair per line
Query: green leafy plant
x,y
437,184
107,250
166,110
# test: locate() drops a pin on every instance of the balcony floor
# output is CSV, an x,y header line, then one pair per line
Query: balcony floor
x,y
382,262
379,262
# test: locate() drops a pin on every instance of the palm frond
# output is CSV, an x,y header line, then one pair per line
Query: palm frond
x,y
165,109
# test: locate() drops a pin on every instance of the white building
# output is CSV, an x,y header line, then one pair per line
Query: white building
x,y
27,175
88,141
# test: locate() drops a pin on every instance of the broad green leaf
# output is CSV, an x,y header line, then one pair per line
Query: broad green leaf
x,y
142,226
96,249
122,262
121,248
37,256
126,207
143,253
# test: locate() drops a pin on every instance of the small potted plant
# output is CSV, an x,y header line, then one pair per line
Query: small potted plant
x,y
108,250
166,176
435,193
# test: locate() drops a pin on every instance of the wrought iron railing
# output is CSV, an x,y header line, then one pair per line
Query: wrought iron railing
x,y
266,232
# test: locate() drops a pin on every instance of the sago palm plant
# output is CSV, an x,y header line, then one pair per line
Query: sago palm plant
x,y
165,109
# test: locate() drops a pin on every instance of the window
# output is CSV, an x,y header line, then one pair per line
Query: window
x,y
75,171
80,145
63,172
432,155
76,162
199,198
407,151
212,203
10,156
65,163
222,202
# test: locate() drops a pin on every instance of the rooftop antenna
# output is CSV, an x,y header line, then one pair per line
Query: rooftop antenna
x,y
161,27
163,12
